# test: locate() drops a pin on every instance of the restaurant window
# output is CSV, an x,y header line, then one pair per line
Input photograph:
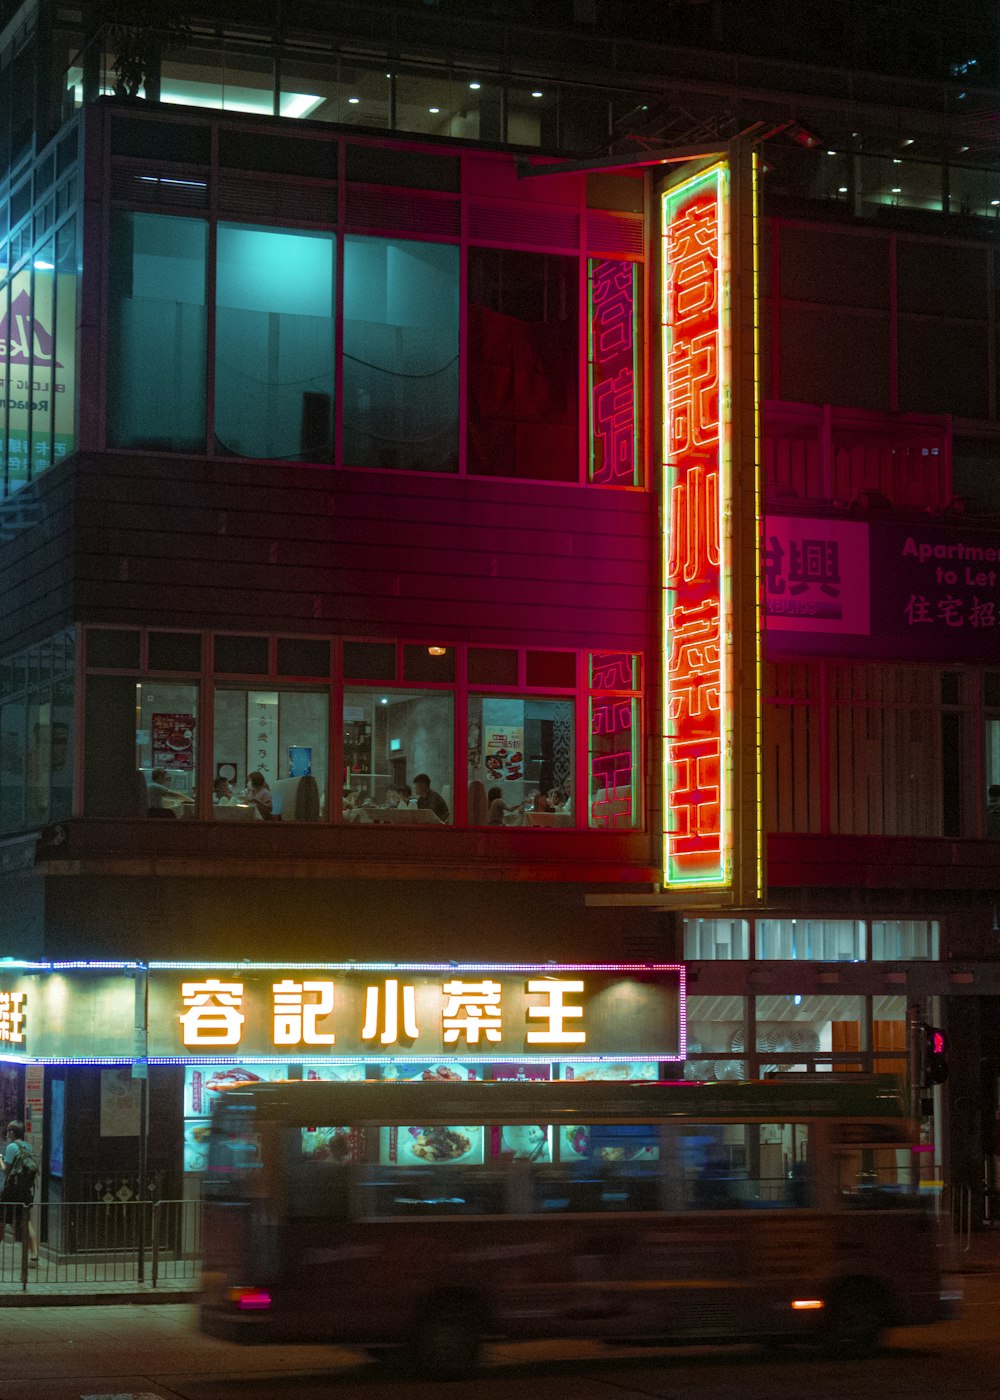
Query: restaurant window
x,y
175,651
521,761
156,332
280,736
401,313
303,656
811,940
241,655
716,1044
141,747
274,343
615,752
523,365
392,738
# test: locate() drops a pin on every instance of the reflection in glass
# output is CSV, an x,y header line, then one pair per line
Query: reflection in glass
x,y
156,332
400,354
274,343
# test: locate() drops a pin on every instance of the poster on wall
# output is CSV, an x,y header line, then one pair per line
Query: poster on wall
x,y
121,1096
262,734
505,754
172,738
434,1146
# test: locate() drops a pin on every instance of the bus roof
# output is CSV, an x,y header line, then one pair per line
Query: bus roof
x,y
331,1103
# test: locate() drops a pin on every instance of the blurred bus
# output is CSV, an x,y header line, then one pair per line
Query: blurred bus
x,y
437,1215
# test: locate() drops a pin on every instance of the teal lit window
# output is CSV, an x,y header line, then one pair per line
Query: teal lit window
x,y
157,332
274,343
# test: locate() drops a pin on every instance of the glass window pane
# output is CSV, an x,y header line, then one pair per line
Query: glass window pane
x,y
42,368
299,656
492,667
904,940
64,371
156,332
715,1029
802,1025
39,762
523,364
141,747
345,93
19,366
175,651
274,343
400,354
242,656
12,756
521,761
708,940
61,799
370,661
270,757
391,739
112,648
551,669
811,940
718,1166
428,663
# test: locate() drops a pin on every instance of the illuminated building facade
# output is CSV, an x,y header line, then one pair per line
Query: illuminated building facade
x,y
556,493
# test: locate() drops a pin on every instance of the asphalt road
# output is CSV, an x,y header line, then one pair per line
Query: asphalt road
x,y
156,1353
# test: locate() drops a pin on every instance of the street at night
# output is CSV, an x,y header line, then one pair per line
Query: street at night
x,y
156,1353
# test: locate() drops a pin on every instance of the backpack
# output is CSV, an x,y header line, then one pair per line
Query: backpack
x,y
24,1168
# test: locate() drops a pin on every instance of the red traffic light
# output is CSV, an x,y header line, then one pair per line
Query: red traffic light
x,y
935,1062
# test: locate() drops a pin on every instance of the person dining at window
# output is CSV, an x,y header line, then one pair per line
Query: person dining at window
x,y
257,792
222,792
428,798
159,787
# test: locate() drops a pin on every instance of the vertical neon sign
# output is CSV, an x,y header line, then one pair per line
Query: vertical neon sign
x,y
615,728
614,447
697,620
713,837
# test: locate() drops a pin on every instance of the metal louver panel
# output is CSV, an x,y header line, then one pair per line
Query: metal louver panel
x,y
615,233
160,186
401,211
245,197
531,227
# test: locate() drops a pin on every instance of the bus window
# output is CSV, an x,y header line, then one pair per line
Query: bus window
x,y
595,1187
737,1166
875,1178
431,1192
234,1154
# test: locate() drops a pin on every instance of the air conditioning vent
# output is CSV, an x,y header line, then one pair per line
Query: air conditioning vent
x,y
529,227
372,207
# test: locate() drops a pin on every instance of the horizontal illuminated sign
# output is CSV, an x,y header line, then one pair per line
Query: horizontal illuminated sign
x,y
354,1013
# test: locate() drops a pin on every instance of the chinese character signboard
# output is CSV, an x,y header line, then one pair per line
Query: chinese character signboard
x,y
886,589
614,454
711,545
464,1012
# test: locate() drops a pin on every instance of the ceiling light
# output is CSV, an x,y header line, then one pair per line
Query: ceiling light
x,y
896,189
384,700
841,189
537,94
831,153
908,141
43,266
434,110
437,651
475,86
995,201
354,100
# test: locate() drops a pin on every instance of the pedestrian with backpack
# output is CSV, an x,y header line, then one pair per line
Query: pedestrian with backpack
x,y
20,1172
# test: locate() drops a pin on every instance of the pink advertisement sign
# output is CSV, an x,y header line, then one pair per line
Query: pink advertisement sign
x,y
173,741
816,575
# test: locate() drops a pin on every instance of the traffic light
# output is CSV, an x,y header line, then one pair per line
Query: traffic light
x,y
935,1066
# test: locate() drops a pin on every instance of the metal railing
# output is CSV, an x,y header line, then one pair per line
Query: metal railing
x,y
101,1244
